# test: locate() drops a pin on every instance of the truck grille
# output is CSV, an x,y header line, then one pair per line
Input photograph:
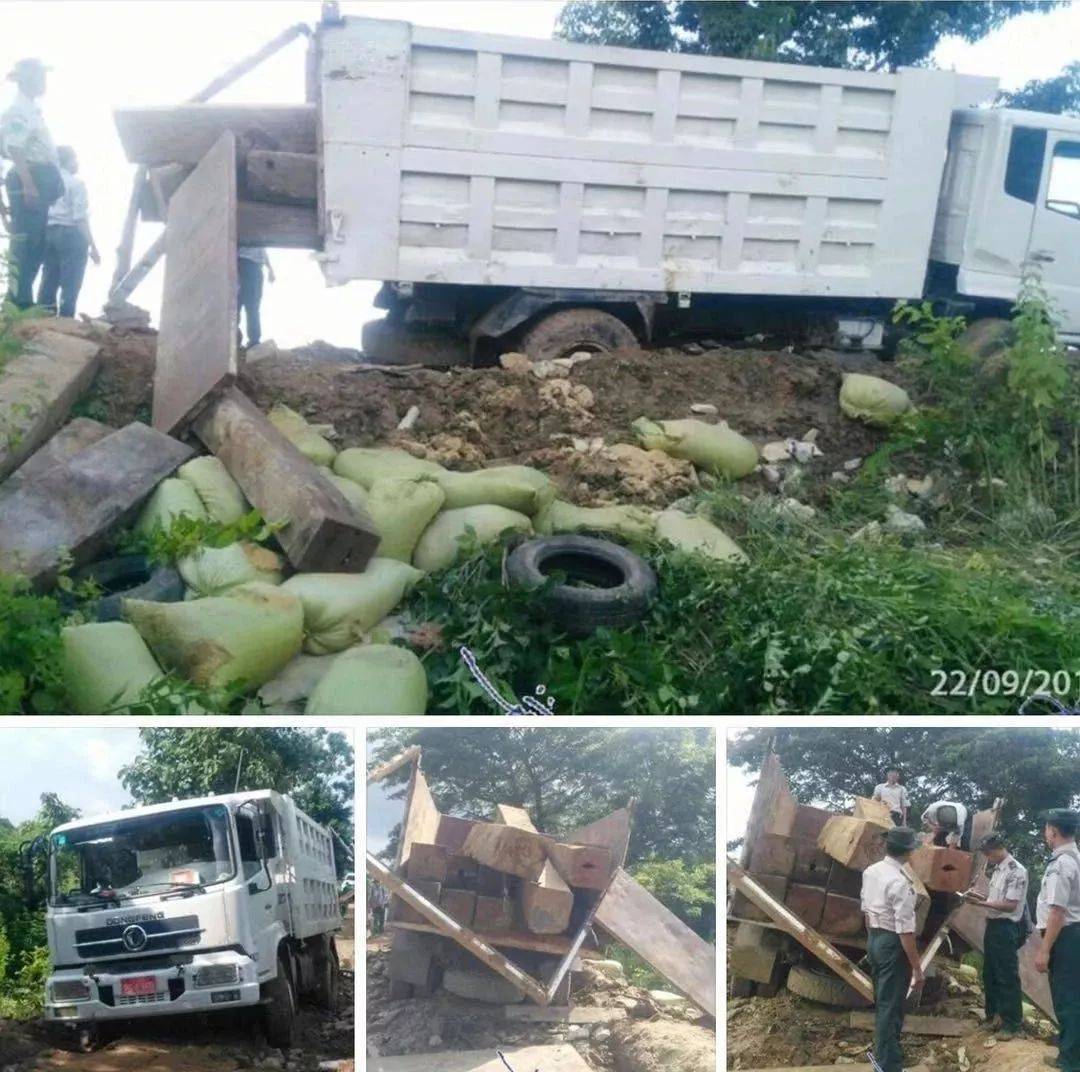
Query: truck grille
x,y
143,999
149,936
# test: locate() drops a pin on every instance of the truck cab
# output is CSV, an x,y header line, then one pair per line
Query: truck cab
x,y
191,906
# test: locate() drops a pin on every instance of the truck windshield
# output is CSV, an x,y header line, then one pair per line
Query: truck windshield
x,y
107,862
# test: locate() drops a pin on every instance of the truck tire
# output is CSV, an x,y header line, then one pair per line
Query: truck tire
x,y
279,1011
823,987
565,331
621,585
327,977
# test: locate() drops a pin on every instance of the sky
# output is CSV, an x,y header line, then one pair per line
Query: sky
x,y
383,814
81,766
109,54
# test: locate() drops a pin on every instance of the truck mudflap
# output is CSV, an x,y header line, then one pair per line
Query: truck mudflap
x,y
120,992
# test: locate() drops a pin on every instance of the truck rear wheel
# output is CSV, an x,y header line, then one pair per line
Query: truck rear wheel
x,y
328,979
565,331
823,987
279,1012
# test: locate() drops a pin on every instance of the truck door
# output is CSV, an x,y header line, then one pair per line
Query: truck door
x,y
262,891
1055,233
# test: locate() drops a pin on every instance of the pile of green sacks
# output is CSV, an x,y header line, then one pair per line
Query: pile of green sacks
x,y
243,622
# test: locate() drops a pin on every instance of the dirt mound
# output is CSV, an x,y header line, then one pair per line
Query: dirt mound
x,y
661,1046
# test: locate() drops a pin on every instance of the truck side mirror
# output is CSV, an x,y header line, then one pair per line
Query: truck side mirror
x,y
27,851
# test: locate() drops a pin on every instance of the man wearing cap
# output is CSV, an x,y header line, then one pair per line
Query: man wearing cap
x,y
1005,904
34,181
1057,915
888,902
894,796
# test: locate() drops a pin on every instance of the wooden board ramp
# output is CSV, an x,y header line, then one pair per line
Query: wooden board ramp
x,y
639,921
943,1026
563,1058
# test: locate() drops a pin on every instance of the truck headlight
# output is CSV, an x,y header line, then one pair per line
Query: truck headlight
x,y
70,990
216,975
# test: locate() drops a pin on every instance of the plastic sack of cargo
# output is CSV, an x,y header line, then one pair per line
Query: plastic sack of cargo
x,y
296,430
446,537
872,399
106,667
245,636
517,487
716,448
401,510
630,522
365,465
697,536
340,607
220,494
373,679
213,571
352,491
170,500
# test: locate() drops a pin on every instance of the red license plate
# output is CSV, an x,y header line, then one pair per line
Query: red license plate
x,y
138,987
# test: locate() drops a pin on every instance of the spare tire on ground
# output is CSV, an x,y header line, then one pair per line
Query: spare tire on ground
x,y
824,987
605,585
124,577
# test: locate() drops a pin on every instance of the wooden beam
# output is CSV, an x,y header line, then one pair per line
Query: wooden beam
x,y
76,435
161,183
571,954
237,70
185,133
277,226
323,532
196,351
945,1026
931,951
142,268
820,1068
284,178
454,930
384,770
506,848
586,867
612,832
564,1014
855,843
560,1058
511,815
127,232
553,944
547,902
773,809
806,936
67,512
639,921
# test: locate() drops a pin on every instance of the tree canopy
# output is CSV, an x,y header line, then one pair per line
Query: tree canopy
x,y
315,767
568,777
1059,95
1032,770
875,36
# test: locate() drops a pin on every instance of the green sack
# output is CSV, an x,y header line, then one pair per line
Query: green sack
x,y
213,571
401,510
352,491
716,448
630,522
220,494
441,544
106,667
297,431
697,536
365,465
245,636
171,499
373,679
872,399
517,487
340,607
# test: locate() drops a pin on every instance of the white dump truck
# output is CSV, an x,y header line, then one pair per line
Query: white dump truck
x,y
545,196
192,906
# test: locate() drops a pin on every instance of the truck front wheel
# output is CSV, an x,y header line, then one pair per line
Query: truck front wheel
x,y
279,1010
327,972
565,331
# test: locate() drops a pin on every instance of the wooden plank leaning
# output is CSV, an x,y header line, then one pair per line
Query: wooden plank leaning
x,y
384,770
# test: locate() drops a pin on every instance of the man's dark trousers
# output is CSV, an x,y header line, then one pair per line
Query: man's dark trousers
x,y
1065,989
28,223
63,269
250,276
1001,973
892,976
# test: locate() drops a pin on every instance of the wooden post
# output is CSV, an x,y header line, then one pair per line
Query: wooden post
x,y
127,235
462,935
806,936
391,765
237,70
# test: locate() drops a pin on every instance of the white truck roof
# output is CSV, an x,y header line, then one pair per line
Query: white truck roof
x,y
172,805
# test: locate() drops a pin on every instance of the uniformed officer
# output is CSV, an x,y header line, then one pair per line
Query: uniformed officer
x,y
1005,904
1057,915
894,796
888,901
950,824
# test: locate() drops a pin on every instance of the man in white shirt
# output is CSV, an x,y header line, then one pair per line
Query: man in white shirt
x,y
1005,903
251,260
1057,916
949,822
68,240
33,183
888,902
894,796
